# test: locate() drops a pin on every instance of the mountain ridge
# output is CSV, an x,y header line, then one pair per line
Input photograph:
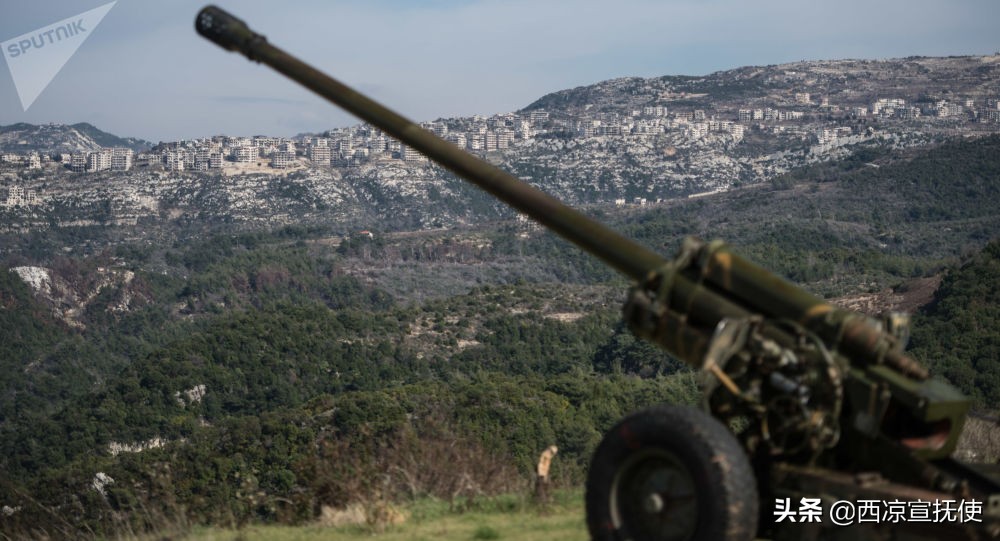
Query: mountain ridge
x,y
623,142
63,138
825,72
819,68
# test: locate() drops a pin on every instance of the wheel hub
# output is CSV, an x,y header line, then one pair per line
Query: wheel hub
x,y
654,497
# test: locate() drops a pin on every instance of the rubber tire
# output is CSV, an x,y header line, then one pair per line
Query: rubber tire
x,y
726,490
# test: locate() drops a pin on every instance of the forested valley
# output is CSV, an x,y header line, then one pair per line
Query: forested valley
x,y
260,376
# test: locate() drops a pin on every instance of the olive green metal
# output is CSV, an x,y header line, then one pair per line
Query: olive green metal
x,y
933,403
775,297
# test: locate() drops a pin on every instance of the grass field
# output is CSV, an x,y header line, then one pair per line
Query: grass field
x,y
504,517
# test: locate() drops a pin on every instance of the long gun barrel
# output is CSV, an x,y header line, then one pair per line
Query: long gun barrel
x,y
622,253
773,295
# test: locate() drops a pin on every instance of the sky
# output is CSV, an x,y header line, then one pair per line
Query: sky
x,y
144,72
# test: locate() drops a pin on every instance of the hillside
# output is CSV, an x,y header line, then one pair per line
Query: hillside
x,y
256,377
624,142
62,138
249,345
846,82
957,332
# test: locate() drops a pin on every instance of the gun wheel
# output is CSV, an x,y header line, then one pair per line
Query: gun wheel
x,y
671,473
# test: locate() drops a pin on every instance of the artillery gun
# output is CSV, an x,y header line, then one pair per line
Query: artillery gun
x,y
806,405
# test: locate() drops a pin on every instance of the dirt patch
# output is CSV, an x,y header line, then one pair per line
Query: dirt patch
x,y
377,515
260,167
565,317
908,297
918,292
980,440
